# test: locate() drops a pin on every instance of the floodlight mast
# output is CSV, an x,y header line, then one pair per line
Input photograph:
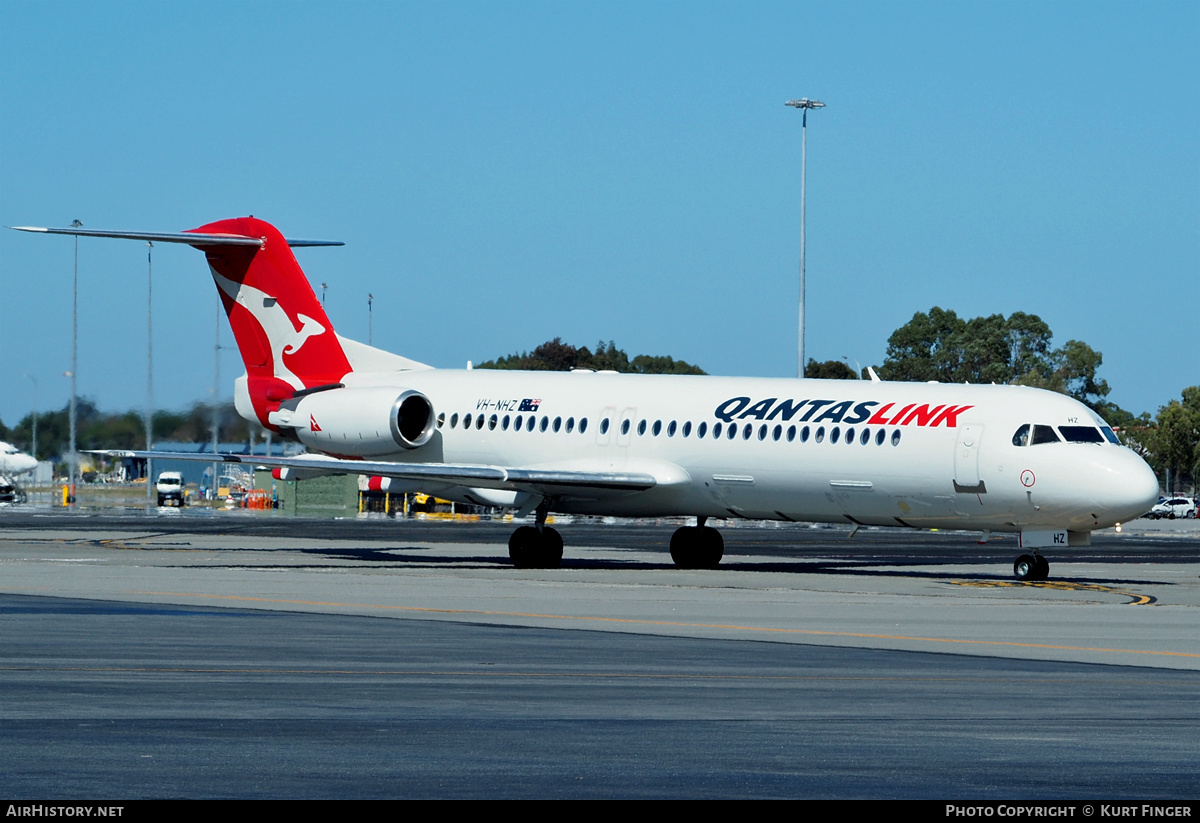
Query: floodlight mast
x,y
804,104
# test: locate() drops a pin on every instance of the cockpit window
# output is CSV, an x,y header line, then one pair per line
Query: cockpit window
x,y
1044,434
1081,434
1109,436
1021,438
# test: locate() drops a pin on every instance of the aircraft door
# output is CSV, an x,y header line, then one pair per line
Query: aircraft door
x,y
966,459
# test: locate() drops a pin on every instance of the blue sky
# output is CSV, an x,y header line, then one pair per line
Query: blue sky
x,y
505,173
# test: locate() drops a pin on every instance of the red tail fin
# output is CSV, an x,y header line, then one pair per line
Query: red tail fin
x,y
282,332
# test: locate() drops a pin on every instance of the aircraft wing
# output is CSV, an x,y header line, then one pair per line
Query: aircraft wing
x,y
545,482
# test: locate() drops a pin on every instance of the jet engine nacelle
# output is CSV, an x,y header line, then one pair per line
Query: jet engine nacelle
x,y
359,422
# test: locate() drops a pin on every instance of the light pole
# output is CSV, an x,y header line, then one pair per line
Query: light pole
x,y
216,412
324,286
149,370
74,461
804,104
370,317
35,415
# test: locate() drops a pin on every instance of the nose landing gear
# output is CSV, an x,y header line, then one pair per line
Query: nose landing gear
x,y
1031,567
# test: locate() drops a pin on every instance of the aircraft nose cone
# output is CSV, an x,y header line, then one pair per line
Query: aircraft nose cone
x,y
1130,487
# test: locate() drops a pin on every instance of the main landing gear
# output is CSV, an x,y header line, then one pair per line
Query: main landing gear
x,y
697,547
1031,567
538,546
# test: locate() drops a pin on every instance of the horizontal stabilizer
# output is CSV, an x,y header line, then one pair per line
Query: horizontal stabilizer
x,y
191,238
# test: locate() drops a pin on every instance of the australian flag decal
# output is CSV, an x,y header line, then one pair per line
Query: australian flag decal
x,y
528,405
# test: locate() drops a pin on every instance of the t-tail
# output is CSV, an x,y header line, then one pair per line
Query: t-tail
x,y
285,338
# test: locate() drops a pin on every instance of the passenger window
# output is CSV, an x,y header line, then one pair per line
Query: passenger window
x,y
657,429
834,434
570,424
850,435
879,435
641,427
791,433
625,426
687,428
777,432
603,426
804,435
746,431
820,435
583,425
504,423
545,423
865,438
492,421
702,429
557,424
441,419
454,420
479,422
896,437
731,432
671,429
529,423
1044,434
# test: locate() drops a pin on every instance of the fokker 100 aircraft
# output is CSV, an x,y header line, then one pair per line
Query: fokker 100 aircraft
x,y
915,455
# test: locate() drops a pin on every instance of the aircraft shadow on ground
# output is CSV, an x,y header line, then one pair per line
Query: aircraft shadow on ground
x,y
990,569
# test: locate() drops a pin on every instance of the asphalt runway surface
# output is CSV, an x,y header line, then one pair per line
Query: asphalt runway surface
x,y
232,655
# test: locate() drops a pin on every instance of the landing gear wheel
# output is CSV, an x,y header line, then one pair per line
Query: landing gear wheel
x,y
530,549
1031,567
552,548
697,547
1043,567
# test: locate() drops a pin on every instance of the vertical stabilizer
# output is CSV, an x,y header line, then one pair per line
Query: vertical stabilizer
x,y
282,332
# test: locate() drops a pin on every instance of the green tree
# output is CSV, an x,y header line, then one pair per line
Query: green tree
x,y
555,355
925,348
1077,363
939,345
1177,444
829,370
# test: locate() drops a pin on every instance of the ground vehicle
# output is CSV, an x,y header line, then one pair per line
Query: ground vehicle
x,y
170,489
1172,508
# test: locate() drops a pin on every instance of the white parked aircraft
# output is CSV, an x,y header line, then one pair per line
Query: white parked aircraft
x,y
992,458
13,461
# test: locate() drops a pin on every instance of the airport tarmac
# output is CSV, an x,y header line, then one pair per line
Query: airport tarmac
x,y
237,655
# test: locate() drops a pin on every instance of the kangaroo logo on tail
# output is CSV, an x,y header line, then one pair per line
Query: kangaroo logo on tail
x,y
281,333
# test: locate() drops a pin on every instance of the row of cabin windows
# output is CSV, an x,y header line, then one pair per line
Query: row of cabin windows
x,y
518,423
729,432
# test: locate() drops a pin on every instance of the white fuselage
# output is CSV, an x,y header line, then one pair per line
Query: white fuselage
x,y
875,453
